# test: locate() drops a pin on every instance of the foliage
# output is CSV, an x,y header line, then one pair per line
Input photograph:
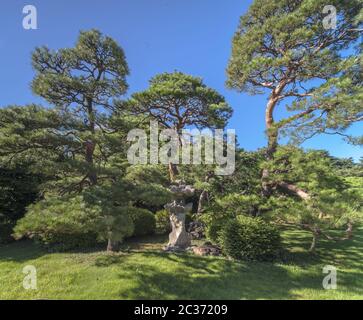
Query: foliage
x,y
6,229
117,202
282,47
65,223
73,140
178,100
143,220
18,188
325,200
163,225
213,229
247,238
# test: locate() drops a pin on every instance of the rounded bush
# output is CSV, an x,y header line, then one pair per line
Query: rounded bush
x,y
163,225
144,221
248,238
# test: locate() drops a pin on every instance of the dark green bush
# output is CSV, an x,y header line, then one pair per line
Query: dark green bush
x,y
144,221
248,238
67,241
6,229
163,225
212,231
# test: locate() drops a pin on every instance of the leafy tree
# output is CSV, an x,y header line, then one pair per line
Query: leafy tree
x,y
106,211
117,202
179,101
327,202
76,142
282,48
81,83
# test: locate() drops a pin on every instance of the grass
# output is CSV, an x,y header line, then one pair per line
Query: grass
x,y
144,272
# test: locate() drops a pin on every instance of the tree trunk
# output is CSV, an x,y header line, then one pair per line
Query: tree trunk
x,y
92,175
173,171
349,230
202,199
109,245
272,139
272,135
90,144
313,243
290,188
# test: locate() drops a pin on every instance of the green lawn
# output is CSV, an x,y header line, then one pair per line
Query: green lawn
x,y
143,272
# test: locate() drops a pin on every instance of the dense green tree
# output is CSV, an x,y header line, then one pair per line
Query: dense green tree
x,y
117,201
82,82
178,101
78,140
79,144
19,187
106,212
327,201
282,48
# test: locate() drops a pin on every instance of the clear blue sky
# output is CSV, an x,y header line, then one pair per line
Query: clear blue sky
x,y
193,36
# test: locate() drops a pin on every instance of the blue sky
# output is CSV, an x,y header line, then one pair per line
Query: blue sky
x,y
192,36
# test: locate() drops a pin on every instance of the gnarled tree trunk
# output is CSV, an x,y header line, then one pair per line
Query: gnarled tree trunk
x,y
90,144
173,171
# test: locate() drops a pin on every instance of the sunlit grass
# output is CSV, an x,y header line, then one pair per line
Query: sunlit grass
x,y
142,271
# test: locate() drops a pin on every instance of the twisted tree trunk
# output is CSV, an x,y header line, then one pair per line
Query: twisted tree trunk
x,y
272,135
173,171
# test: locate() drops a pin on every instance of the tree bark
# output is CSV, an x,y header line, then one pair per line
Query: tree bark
x,y
202,199
290,188
110,247
313,243
272,134
173,171
90,144
349,230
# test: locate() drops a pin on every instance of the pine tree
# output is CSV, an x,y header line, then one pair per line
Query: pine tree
x,y
178,101
82,82
75,139
282,48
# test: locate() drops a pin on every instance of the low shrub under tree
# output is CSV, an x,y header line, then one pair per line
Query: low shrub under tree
x,y
249,238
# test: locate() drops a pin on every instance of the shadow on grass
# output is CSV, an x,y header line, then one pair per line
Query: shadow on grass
x,y
185,276
193,277
20,251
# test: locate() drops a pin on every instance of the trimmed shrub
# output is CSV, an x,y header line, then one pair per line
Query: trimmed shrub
x,y
163,225
248,238
144,221
60,224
